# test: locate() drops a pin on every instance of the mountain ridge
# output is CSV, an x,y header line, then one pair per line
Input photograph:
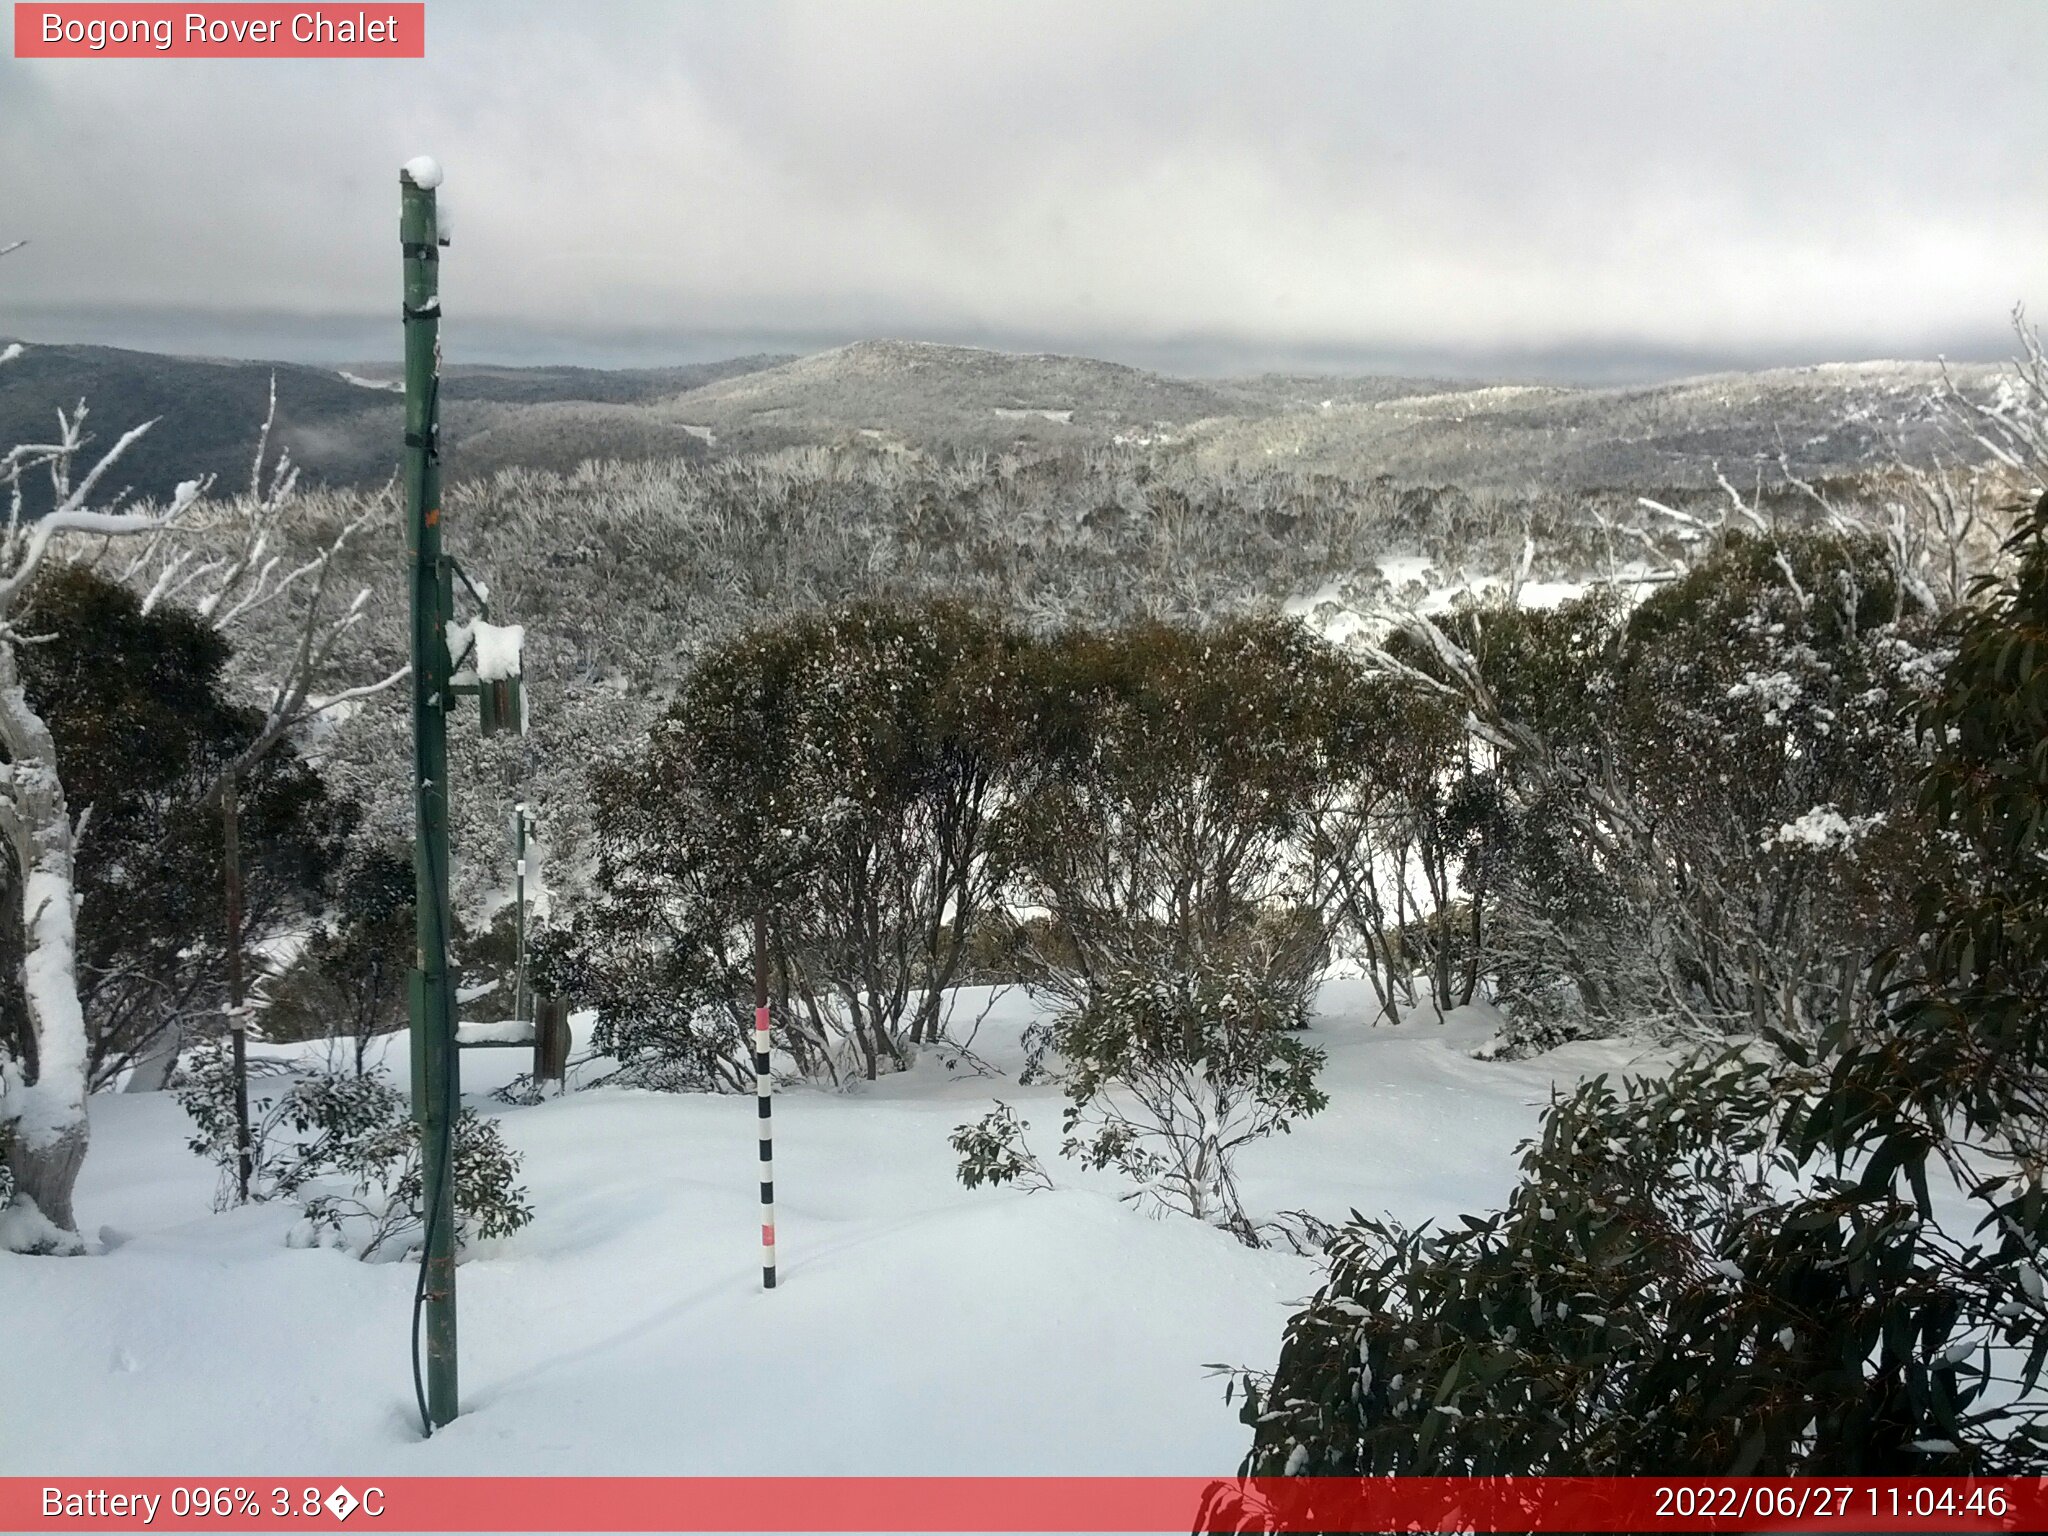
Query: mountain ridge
x,y
342,425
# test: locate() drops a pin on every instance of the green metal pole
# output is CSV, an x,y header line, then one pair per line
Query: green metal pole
x,y
435,1082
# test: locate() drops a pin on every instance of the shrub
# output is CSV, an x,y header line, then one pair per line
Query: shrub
x,y
992,1151
1673,1288
1167,1078
346,1147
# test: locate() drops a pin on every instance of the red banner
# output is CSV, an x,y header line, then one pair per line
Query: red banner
x,y
370,30
1016,1504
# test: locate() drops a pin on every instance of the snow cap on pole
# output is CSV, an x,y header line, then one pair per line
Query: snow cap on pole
x,y
423,171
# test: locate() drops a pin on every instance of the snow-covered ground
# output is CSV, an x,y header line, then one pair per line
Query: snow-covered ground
x,y
920,1327
1415,582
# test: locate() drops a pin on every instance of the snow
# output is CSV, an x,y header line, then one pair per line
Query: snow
x,y
921,1327
496,649
1328,613
24,1229
1015,413
362,383
1549,594
1821,827
423,171
1399,570
502,1031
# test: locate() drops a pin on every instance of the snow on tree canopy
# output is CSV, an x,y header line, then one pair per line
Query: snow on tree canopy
x,y
423,171
1822,827
489,651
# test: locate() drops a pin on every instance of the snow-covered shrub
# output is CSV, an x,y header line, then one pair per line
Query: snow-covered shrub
x,y
376,1212
1169,1076
344,1144
1670,775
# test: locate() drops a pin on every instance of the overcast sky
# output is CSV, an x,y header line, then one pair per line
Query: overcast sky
x,y
1596,191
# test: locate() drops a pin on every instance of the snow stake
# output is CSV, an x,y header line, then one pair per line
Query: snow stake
x,y
764,1084
520,824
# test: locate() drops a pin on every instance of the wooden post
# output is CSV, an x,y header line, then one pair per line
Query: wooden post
x,y
550,1039
764,1084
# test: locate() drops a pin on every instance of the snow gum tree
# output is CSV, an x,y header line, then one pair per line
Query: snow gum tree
x,y
1161,818
1704,815
43,1086
1403,835
1162,812
139,710
838,772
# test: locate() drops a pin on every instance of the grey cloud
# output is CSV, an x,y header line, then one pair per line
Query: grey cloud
x,y
1568,187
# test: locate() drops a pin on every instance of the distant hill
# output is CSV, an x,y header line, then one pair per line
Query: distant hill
x,y
925,395
541,385
343,425
1826,419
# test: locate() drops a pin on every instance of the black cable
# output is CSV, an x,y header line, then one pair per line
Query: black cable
x,y
445,1171
419,1302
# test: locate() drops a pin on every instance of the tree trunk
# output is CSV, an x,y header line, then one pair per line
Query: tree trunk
x,y
44,1176
1477,938
45,1119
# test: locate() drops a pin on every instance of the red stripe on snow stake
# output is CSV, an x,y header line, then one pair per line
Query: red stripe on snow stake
x,y
767,1237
